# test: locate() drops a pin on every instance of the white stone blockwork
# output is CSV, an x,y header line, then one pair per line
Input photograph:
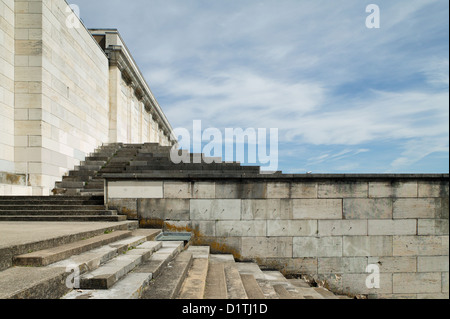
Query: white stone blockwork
x,y
64,91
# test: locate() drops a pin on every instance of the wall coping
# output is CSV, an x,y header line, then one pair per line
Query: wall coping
x,y
272,177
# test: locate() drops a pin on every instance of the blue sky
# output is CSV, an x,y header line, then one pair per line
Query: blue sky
x,y
345,98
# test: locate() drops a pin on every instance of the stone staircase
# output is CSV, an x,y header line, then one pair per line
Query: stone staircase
x,y
151,160
131,264
55,208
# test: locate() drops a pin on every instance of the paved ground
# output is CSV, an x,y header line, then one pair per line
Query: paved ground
x,y
20,233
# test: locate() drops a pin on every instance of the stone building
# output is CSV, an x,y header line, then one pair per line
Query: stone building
x,y
64,91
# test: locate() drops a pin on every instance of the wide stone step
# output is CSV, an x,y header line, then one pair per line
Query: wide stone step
x,y
168,284
86,208
194,285
216,284
111,272
93,259
52,255
60,202
159,260
252,287
51,212
68,218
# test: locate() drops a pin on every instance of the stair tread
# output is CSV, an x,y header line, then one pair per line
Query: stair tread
x,y
168,284
252,287
216,285
52,255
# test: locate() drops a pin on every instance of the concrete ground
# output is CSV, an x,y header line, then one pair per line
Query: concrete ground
x,y
23,233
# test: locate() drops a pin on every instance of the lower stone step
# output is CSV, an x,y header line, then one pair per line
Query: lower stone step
x,y
107,275
67,218
168,284
194,285
48,256
252,287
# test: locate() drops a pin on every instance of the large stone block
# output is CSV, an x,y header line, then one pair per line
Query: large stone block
x,y
317,246
432,227
368,208
304,190
266,209
341,265
343,190
233,190
134,189
164,209
177,190
392,227
420,245
433,189
278,190
293,228
238,228
215,209
125,207
317,208
369,246
342,227
204,190
421,208
394,189
417,283
445,282
264,247
395,264
432,264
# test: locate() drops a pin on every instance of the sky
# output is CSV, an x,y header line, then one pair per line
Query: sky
x,y
345,98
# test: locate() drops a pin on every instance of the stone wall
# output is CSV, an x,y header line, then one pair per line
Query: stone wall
x,y
7,85
62,96
331,228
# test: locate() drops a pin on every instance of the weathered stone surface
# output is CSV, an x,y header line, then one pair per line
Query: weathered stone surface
x,y
356,284
304,190
266,209
432,227
445,282
395,264
317,208
177,190
278,190
294,228
392,227
342,227
268,247
420,208
432,264
343,190
204,190
217,209
417,282
317,246
241,190
433,189
420,245
341,265
369,246
368,208
133,189
164,209
394,189
241,228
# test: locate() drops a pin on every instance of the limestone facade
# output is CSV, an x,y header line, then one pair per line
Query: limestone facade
x,y
63,94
